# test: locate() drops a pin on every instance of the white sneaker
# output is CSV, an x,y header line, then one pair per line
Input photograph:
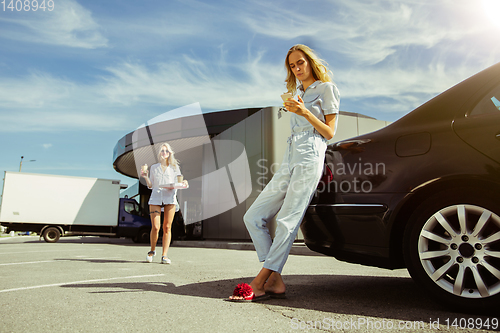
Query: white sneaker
x,y
150,256
165,260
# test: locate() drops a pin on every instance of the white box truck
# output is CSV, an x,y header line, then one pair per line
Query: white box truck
x,y
54,206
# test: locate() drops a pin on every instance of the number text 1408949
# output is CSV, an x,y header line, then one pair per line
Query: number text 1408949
x,y
27,5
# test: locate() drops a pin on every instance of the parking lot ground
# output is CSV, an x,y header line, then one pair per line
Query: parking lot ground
x,y
92,284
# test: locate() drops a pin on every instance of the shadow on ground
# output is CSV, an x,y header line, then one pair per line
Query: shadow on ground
x,y
381,297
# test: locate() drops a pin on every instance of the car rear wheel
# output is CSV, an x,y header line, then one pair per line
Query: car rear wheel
x,y
452,248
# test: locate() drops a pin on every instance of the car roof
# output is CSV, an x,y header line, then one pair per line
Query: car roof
x,y
446,105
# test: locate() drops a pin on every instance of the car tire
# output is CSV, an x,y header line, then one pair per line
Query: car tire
x,y
142,236
452,248
51,234
194,230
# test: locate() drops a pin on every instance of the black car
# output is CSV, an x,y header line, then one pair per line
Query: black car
x,y
422,193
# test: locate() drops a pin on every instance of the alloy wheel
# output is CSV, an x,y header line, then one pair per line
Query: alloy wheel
x,y
459,249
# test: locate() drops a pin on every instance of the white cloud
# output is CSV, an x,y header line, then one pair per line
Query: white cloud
x,y
47,145
45,120
69,24
370,32
401,53
188,80
42,102
34,90
406,88
119,100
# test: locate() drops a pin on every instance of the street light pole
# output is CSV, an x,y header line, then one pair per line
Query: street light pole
x,y
21,163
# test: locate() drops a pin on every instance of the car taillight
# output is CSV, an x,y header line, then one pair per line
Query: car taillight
x,y
327,176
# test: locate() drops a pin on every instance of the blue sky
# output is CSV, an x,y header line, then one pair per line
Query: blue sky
x,y
76,79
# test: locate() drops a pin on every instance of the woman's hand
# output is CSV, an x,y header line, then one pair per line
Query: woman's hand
x,y
297,106
326,128
144,175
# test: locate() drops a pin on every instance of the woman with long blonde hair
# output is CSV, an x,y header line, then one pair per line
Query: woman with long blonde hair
x,y
313,122
164,172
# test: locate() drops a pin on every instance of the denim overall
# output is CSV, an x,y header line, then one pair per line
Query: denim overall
x,y
291,189
287,194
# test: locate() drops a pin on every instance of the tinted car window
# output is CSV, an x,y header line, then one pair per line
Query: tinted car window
x,y
488,104
132,208
137,210
129,207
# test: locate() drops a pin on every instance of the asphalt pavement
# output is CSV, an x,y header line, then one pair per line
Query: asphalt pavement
x,y
92,284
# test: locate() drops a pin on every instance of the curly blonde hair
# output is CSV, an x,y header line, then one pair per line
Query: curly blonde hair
x,y
319,67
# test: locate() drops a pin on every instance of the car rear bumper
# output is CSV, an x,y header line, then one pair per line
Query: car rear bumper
x,y
349,232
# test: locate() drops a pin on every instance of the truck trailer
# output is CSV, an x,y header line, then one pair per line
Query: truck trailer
x,y
55,206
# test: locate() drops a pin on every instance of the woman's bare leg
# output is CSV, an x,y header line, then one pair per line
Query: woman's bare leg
x,y
275,284
155,213
168,218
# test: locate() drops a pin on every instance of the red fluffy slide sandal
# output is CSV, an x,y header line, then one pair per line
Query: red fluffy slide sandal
x,y
245,291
